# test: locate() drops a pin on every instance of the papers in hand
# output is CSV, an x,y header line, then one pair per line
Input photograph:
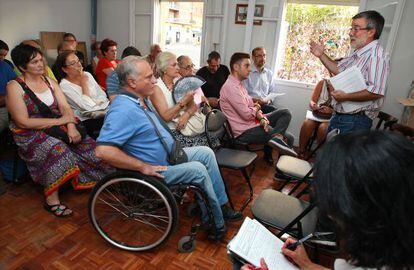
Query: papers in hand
x,y
271,97
254,241
350,80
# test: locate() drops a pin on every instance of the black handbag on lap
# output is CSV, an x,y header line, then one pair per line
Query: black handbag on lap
x,y
59,131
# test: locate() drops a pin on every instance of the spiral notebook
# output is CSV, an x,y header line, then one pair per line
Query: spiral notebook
x,y
253,242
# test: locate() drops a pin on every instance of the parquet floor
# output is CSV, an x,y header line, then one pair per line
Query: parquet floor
x,y
31,238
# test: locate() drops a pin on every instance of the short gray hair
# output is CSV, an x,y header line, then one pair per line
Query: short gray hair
x,y
162,61
128,67
181,59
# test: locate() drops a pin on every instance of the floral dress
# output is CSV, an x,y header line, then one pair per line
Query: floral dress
x,y
50,161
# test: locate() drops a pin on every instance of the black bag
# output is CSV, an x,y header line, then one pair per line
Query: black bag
x,y
60,131
177,154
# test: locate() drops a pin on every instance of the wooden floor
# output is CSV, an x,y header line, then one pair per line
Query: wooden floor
x,y
31,238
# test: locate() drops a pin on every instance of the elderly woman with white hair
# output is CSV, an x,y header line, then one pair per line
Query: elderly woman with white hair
x,y
176,115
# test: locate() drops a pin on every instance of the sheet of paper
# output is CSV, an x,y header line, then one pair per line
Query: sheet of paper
x,y
272,96
310,116
350,80
254,241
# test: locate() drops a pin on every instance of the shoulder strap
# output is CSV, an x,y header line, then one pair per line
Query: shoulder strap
x,y
43,108
164,144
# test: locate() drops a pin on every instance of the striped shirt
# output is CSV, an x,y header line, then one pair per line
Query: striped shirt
x,y
374,64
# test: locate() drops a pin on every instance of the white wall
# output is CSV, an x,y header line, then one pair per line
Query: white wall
x,y
113,22
402,62
24,19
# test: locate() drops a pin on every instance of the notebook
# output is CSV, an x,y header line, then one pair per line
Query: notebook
x,y
254,241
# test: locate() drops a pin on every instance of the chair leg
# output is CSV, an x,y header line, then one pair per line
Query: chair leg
x,y
227,191
247,177
296,221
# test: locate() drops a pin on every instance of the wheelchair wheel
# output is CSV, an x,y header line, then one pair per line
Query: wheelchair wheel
x,y
132,211
186,244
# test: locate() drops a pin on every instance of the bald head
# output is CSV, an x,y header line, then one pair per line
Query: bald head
x,y
155,49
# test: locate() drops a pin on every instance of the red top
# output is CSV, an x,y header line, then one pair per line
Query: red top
x,y
100,75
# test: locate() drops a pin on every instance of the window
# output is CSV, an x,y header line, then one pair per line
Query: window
x,y
180,28
305,22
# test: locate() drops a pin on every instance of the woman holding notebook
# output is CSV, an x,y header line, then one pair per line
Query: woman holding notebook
x,y
365,185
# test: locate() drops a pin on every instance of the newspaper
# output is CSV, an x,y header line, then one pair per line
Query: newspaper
x,y
254,241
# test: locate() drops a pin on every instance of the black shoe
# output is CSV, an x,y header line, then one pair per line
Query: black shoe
x,y
217,233
231,215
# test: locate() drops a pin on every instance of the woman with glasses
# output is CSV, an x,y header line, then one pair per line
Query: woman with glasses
x,y
84,95
50,161
176,115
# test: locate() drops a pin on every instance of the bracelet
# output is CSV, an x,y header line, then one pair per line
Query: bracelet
x,y
263,118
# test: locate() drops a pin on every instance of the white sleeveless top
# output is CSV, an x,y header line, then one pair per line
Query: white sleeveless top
x,y
168,98
46,97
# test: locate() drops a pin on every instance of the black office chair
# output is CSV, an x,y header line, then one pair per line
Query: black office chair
x,y
235,159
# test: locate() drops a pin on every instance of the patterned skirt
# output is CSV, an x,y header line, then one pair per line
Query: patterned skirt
x,y
52,162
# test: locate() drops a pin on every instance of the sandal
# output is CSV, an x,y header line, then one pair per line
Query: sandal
x,y
59,210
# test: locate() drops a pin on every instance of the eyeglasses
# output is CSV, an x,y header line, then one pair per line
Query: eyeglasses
x,y
357,28
73,63
188,67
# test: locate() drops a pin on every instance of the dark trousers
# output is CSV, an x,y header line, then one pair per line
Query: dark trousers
x,y
279,120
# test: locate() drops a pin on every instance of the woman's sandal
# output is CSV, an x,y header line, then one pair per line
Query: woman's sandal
x,y
59,210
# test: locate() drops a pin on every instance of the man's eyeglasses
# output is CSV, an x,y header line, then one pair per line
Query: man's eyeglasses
x,y
188,67
73,63
357,28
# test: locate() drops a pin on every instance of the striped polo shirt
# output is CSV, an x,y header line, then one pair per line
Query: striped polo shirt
x,y
374,64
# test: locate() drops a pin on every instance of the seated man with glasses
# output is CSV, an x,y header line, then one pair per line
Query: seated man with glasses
x,y
372,60
142,145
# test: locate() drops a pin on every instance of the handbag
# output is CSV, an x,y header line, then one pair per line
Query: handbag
x,y
177,154
59,131
321,113
195,125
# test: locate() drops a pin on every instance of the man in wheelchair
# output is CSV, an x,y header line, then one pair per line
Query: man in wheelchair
x,y
129,140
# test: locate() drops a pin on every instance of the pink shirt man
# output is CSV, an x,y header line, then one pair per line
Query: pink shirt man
x,y
237,106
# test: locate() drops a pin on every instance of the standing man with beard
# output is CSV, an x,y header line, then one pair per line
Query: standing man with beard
x,y
371,59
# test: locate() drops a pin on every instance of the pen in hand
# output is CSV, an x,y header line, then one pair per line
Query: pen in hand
x,y
293,246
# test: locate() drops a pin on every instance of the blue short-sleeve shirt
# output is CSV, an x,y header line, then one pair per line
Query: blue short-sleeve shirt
x,y
6,74
128,127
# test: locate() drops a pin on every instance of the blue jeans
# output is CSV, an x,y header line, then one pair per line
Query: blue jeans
x,y
347,123
201,170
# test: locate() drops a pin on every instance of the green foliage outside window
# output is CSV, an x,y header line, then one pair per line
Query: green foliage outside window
x,y
325,23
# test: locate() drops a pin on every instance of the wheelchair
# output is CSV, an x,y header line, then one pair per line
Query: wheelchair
x,y
136,212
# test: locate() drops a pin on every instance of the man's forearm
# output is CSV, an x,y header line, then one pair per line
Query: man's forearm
x,y
330,64
360,96
118,158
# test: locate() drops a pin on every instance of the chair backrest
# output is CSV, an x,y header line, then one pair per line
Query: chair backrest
x,y
387,119
215,128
